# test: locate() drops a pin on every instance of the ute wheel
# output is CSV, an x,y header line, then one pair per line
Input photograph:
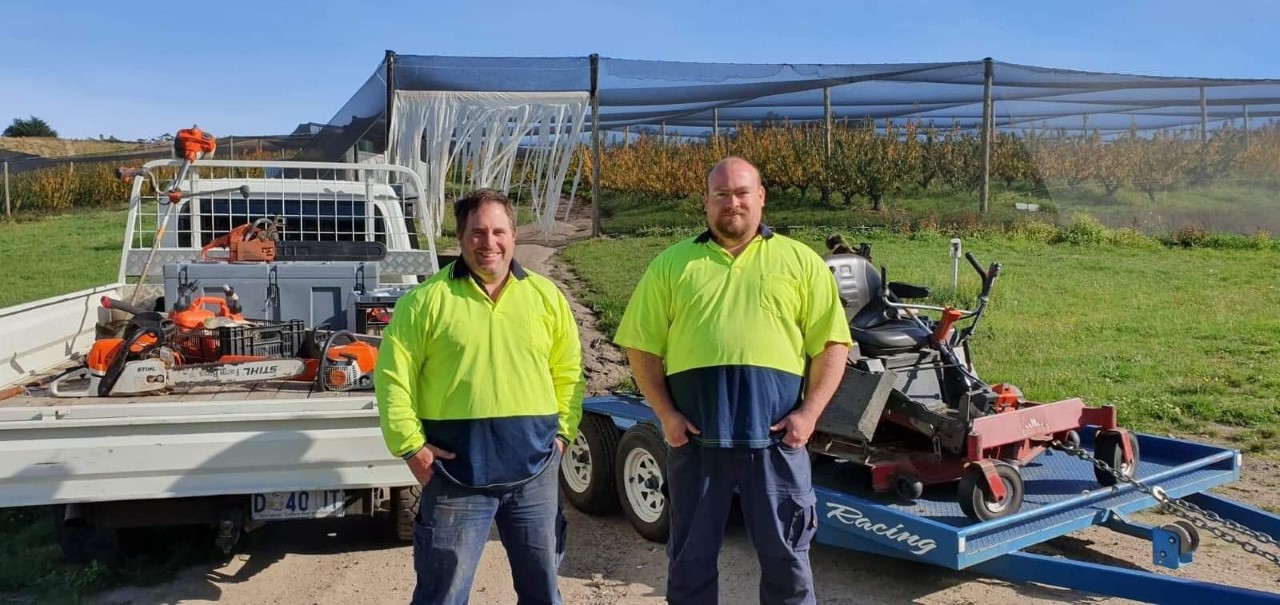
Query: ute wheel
x,y
81,541
1107,448
907,486
977,503
641,469
586,469
404,504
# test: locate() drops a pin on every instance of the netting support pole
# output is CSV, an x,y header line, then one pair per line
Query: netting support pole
x,y
1245,107
626,136
390,103
1204,117
987,118
715,124
8,208
662,131
595,146
827,144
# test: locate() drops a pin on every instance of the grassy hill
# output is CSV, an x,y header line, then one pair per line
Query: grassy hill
x,y
50,147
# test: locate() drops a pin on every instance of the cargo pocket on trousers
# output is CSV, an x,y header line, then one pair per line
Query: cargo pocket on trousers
x,y
804,523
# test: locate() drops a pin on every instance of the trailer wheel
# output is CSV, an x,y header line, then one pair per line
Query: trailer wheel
x,y
404,504
978,504
586,469
1109,450
641,479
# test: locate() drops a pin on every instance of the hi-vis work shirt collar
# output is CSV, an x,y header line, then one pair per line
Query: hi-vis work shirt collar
x,y
706,236
461,270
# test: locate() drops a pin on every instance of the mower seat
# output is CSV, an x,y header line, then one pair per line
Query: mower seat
x,y
878,335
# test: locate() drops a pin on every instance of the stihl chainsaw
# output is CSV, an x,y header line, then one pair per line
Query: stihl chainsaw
x,y
142,363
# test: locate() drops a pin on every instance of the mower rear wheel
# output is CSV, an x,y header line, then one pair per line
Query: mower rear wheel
x,y
976,500
1109,449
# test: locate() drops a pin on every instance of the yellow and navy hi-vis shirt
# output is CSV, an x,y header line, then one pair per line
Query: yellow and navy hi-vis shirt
x,y
735,333
493,382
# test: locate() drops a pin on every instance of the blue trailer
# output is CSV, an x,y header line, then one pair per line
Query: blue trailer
x,y
619,455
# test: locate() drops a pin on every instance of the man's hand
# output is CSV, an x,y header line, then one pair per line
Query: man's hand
x,y
560,445
422,463
677,428
798,426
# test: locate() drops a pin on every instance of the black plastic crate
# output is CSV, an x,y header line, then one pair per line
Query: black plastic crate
x,y
265,338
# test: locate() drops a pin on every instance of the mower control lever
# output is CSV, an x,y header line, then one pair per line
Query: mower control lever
x,y
988,276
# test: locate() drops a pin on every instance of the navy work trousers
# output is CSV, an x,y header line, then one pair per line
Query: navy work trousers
x,y
775,489
453,524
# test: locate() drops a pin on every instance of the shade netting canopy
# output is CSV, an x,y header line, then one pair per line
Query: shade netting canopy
x,y
691,98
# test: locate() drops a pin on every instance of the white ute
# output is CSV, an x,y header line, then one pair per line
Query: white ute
x,y
233,456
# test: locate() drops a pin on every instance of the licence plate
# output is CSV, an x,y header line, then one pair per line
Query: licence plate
x,y
297,505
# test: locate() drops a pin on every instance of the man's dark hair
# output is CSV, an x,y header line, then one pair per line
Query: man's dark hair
x,y
463,208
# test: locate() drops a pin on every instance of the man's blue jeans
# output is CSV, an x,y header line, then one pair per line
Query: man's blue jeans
x,y
453,526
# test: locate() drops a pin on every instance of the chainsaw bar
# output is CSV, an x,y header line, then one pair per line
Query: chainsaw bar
x,y
212,374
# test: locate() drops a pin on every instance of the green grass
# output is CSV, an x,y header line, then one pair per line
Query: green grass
x,y
30,562
1177,339
1227,206
32,569
58,254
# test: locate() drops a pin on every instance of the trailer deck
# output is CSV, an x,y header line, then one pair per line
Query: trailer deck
x,y
1061,496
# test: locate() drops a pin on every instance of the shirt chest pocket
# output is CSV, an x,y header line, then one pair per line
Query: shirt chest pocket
x,y
781,296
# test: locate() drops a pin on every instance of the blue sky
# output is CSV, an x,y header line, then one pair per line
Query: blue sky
x,y
139,69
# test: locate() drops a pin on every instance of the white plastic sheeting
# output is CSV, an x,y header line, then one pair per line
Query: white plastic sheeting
x,y
479,135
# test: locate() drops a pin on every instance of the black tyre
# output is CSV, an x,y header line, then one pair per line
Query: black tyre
x,y
976,500
587,467
907,486
641,468
1107,448
82,542
404,503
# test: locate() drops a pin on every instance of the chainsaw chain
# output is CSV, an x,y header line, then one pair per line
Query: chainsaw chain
x,y
1203,519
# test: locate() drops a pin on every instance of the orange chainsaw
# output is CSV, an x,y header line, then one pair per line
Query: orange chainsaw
x,y
144,363
345,364
250,242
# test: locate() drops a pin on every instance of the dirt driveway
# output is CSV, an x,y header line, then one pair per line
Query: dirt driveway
x,y
352,561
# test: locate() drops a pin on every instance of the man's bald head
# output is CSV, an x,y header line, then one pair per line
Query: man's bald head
x,y
733,163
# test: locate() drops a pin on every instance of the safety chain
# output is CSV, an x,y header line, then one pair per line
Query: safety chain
x,y
1197,516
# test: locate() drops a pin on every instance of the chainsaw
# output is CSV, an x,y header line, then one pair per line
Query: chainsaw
x,y
345,363
250,242
143,363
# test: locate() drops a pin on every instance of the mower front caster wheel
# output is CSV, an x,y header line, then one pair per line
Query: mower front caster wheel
x,y
1108,448
976,499
907,486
